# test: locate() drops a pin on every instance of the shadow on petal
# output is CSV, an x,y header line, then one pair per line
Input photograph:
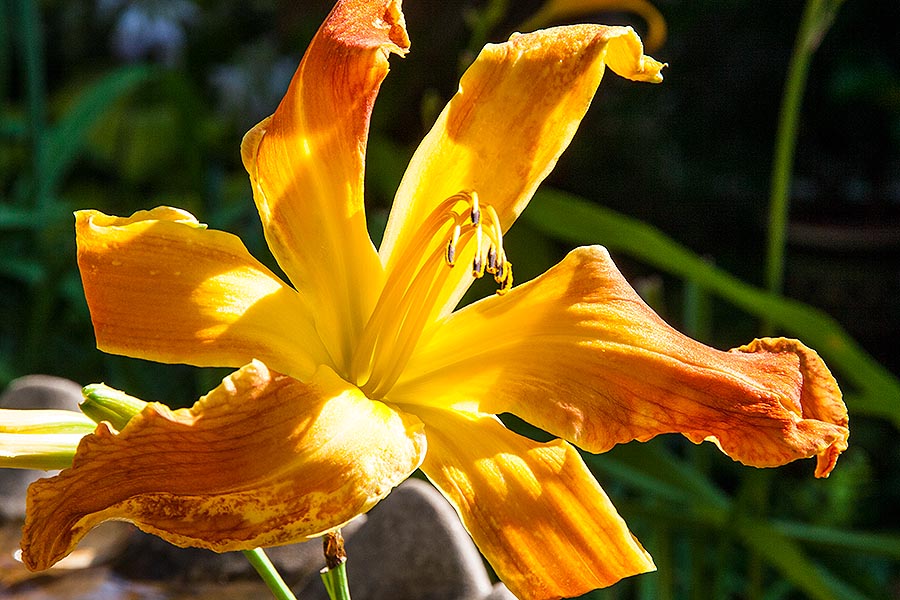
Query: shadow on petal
x,y
262,460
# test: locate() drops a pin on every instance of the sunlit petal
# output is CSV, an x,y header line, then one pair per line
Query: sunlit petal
x,y
516,110
578,353
262,460
534,510
162,287
553,12
306,163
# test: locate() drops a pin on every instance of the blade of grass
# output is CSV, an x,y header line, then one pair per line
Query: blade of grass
x,y
788,557
31,40
66,140
817,18
5,50
571,218
882,544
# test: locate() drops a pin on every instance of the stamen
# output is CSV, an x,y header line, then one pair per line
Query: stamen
x,y
478,262
507,282
417,284
451,247
477,267
492,261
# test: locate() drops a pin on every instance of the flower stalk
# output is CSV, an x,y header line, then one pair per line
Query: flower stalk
x,y
334,575
269,574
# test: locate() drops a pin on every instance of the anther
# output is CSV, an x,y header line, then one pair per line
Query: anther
x,y
475,214
507,283
492,261
451,246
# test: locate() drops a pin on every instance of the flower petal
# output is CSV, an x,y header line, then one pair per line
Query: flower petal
x,y
578,353
261,460
306,163
534,510
557,11
162,287
516,110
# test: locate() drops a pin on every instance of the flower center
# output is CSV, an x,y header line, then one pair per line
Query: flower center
x,y
417,281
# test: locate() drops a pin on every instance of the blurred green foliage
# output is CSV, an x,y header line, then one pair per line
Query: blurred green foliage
x,y
675,179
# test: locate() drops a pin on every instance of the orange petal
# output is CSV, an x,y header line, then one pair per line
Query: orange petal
x,y
578,353
534,510
261,460
306,163
516,110
162,287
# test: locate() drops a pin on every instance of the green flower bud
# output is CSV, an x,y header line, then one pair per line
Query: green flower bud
x,y
103,403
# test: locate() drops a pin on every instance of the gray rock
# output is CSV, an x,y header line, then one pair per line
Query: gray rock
x,y
31,392
412,547
149,558
41,391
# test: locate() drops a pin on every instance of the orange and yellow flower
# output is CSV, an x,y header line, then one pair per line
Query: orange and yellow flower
x,y
360,372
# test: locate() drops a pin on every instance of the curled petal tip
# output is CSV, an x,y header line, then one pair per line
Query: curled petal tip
x,y
821,409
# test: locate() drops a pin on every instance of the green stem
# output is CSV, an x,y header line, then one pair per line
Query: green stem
x,y
335,580
817,17
334,575
269,574
32,48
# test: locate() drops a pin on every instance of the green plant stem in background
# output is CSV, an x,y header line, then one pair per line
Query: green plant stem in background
x,y
269,574
817,18
31,47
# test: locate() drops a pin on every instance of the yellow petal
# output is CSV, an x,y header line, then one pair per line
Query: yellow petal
x,y
556,11
160,286
534,510
261,460
516,110
578,353
306,164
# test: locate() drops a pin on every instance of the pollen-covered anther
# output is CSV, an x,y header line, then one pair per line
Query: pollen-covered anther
x,y
475,213
451,246
481,225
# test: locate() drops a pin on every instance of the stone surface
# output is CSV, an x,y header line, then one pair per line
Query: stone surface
x,y
31,392
149,558
413,546
41,391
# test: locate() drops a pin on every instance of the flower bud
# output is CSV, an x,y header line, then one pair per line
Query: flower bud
x,y
103,403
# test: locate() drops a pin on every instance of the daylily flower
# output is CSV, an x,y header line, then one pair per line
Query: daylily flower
x,y
360,372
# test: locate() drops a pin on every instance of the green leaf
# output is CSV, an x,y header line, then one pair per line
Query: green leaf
x,y
654,468
788,557
67,138
576,220
25,270
884,544
16,218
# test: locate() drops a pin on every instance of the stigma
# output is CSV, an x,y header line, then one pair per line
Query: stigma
x,y
480,225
